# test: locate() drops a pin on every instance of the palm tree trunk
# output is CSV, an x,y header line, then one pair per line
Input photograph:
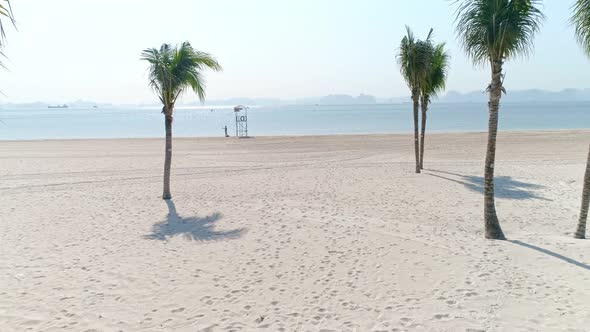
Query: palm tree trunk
x,y
492,225
416,142
581,231
168,153
423,132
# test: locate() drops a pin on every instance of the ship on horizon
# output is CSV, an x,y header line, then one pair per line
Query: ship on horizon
x,y
58,106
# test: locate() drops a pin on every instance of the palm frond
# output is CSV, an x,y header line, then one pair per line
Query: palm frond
x,y
414,59
404,57
430,36
498,30
435,80
159,72
5,12
173,70
581,21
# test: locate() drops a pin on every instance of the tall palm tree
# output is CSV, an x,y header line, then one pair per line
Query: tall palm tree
x,y
434,82
172,71
414,59
492,32
581,21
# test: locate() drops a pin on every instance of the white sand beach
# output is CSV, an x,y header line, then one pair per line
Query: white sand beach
x,y
332,233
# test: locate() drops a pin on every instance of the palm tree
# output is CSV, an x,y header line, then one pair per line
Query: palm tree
x,y
414,59
581,22
172,71
494,31
434,82
5,11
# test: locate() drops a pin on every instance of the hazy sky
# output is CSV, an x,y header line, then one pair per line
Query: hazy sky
x,y
69,49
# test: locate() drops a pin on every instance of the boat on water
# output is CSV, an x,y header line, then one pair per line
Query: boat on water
x,y
58,106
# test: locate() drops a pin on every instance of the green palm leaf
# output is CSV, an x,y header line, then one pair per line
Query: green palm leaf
x,y
581,21
5,12
435,80
414,58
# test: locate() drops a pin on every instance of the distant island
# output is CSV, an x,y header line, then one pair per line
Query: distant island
x,y
532,95
347,100
514,96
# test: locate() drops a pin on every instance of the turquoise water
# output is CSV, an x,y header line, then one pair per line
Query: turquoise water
x,y
18,124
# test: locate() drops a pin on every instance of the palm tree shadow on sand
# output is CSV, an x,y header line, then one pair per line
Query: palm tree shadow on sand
x,y
192,228
551,253
505,186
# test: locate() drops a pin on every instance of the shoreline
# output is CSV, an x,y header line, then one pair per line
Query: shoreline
x,y
393,134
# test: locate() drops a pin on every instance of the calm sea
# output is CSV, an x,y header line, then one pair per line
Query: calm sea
x,y
20,124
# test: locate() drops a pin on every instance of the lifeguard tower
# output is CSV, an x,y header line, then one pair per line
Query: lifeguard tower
x,y
241,113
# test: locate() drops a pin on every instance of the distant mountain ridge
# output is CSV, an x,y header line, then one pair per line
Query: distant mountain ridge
x,y
531,95
339,99
40,104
